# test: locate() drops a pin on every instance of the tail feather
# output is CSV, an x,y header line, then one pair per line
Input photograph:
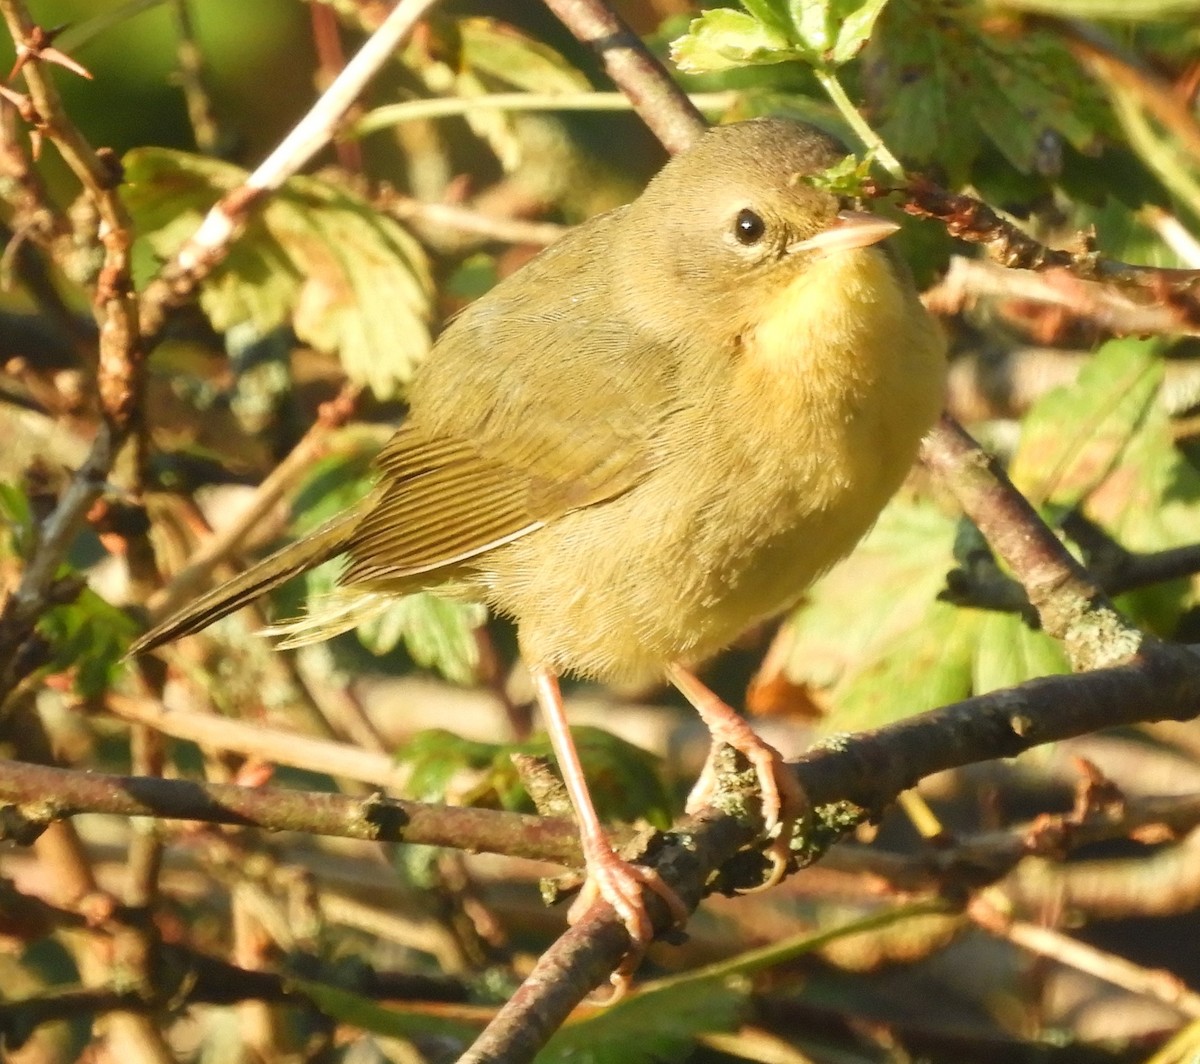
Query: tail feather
x,y
328,541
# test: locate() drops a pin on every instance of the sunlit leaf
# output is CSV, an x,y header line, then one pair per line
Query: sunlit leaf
x,y
722,39
855,28
348,279
899,650
947,77
1010,652
89,638
439,633
1074,435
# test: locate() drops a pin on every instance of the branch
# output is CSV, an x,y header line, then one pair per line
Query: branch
x,y
120,366
209,245
662,104
1071,606
39,795
974,221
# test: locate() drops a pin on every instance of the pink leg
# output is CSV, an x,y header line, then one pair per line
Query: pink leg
x,y
616,881
783,800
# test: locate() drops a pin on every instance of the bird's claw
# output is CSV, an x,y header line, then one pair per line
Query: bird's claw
x,y
621,884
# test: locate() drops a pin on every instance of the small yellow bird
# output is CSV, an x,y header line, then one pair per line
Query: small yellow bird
x,y
658,432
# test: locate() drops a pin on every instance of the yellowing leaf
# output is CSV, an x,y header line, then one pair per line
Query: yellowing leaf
x,y
349,280
1074,435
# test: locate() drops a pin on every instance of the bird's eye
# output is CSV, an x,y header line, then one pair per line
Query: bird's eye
x,y
748,227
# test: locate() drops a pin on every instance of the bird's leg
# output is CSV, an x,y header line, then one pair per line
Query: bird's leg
x,y
616,880
783,799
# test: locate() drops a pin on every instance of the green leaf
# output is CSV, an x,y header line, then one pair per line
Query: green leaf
x,y
813,22
507,58
844,178
625,780
1074,435
855,28
946,78
903,651
1151,501
349,280
16,521
439,633
908,552
820,32
395,1021
89,637
925,666
773,14
721,39
655,1025
497,57
1011,652
832,32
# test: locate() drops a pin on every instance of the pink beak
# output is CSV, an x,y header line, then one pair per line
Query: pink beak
x,y
850,229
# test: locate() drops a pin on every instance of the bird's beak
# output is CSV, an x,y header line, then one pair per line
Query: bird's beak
x,y
850,229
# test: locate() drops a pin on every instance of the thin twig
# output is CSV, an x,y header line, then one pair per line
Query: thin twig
x,y
192,80
662,104
1045,941
392,114
209,245
340,760
1072,607
187,583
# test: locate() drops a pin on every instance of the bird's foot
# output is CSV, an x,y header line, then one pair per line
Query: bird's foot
x,y
784,802
621,884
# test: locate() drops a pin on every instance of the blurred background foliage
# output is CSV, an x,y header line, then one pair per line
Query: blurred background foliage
x,y
1078,119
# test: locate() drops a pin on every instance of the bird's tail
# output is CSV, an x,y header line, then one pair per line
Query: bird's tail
x,y
328,541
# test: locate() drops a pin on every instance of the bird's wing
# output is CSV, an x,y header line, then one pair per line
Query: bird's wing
x,y
520,416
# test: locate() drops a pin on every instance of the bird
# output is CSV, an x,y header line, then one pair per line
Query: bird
x,y
652,436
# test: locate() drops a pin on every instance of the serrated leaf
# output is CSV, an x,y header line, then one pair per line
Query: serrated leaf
x,y
832,32
901,650
906,555
349,280
925,666
89,637
437,632
855,28
721,39
1074,435
947,76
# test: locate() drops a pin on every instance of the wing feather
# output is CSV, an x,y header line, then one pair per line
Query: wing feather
x,y
519,416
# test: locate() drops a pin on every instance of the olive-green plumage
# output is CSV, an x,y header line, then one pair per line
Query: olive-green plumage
x,y
651,436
